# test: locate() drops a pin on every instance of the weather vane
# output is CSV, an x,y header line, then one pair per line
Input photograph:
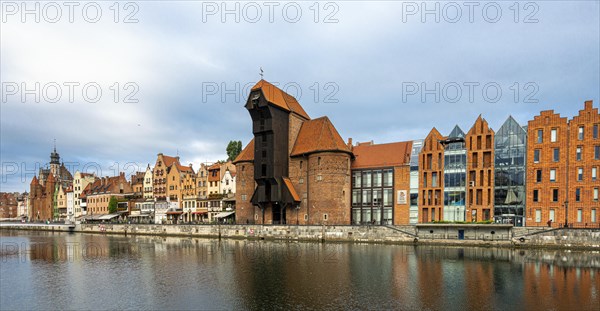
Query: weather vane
x,y
261,73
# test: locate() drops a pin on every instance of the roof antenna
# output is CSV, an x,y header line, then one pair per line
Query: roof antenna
x,y
55,145
261,73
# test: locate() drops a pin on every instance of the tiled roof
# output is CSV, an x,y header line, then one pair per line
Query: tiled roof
x,y
279,98
169,160
382,155
318,135
288,184
247,154
215,166
183,168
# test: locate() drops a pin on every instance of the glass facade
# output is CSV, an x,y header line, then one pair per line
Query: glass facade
x,y
455,176
372,196
511,149
414,181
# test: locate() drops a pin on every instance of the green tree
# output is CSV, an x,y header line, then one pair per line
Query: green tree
x,y
112,205
233,149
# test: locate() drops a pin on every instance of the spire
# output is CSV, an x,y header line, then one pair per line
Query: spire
x,y
54,157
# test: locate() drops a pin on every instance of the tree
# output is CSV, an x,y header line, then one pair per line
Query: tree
x,y
112,205
233,149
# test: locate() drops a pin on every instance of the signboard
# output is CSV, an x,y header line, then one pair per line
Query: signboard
x,y
402,197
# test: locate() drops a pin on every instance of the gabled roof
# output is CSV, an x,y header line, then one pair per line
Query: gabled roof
x,y
168,161
279,98
247,154
318,135
382,155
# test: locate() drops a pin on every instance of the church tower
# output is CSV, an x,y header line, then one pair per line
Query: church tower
x,y
55,162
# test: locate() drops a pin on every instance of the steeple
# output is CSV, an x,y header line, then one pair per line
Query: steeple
x,y
54,157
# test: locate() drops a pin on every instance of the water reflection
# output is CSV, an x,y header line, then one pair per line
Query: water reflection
x,y
42,270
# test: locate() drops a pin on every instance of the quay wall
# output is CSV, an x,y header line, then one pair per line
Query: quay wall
x,y
421,234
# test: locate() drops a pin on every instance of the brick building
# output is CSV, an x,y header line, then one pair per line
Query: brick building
x,y
381,183
480,165
97,194
584,161
300,166
8,205
431,166
563,157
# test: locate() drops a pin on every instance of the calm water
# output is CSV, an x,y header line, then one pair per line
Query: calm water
x,y
82,271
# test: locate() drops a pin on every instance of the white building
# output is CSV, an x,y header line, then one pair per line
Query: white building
x,y
148,193
80,181
228,183
70,205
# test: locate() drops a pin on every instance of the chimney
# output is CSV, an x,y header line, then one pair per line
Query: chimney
x,y
350,142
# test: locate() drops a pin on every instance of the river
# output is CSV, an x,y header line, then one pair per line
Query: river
x,y
45,270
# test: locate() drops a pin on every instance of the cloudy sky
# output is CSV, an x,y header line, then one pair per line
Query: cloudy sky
x,y
115,85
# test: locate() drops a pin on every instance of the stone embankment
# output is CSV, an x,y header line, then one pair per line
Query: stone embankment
x,y
427,234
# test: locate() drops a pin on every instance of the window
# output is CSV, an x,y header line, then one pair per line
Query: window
x,y
593,218
366,178
579,215
552,175
578,194
356,197
580,174
536,156
388,178
538,215
556,157
580,133
595,194
356,179
536,196
596,152
377,178
594,173
325,216
552,215
263,170
434,179
595,131
578,154
553,135
554,195
540,136
538,176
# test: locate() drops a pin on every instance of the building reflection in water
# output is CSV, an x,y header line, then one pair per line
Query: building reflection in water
x,y
78,271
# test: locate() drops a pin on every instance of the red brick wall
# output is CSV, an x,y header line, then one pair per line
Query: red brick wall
x,y
431,160
546,121
244,187
402,182
480,172
586,118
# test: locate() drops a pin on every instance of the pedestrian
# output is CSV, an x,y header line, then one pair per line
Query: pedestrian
x,y
550,223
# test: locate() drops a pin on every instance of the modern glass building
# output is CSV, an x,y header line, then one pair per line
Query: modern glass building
x,y
455,175
414,181
511,151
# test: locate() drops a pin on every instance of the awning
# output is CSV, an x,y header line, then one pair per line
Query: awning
x,y
141,215
199,213
223,215
174,213
109,216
